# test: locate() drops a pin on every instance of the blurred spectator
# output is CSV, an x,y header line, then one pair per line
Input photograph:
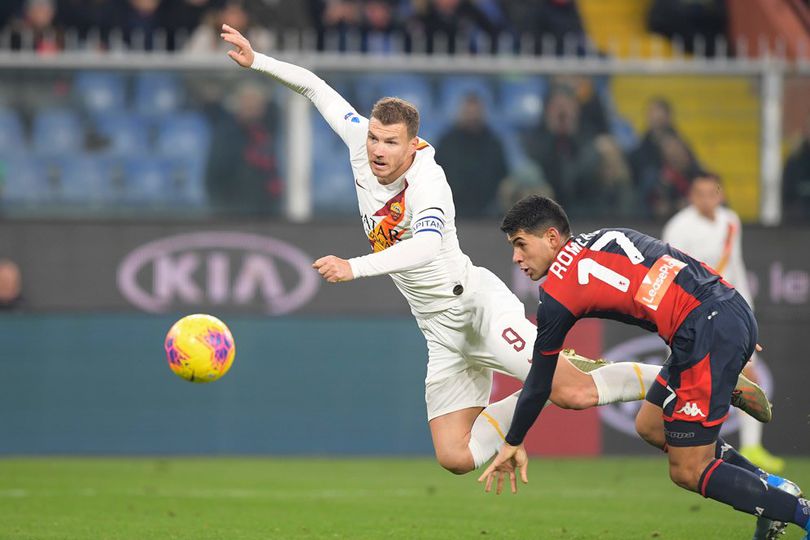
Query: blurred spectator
x,y
592,116
587,174
36,28
796,181
472,156
694,21
92,19
8,9
141,21
525,179
233,13
663,163
446,23
10,285
557,19
380,29
182,17
242,176
337,22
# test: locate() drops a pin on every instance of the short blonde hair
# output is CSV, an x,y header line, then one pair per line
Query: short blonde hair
x,y
392,110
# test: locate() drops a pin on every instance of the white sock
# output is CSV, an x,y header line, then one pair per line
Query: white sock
x,y
623,381
750,431
490,428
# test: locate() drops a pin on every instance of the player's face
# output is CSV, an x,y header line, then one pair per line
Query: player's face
x,y
705,196
534,254
390,151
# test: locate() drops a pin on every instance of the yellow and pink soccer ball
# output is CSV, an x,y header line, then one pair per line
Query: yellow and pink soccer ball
x,y
200,348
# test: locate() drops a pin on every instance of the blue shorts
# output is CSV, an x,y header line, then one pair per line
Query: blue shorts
x,y
709,350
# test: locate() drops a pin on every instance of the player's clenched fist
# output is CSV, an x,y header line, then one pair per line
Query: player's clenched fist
x,y
333,269
243,54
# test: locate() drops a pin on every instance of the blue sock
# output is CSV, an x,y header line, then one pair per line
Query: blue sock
x,y
729,454
745,491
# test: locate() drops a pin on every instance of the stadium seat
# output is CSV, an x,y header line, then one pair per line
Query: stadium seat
x,y
333,190
57,132
145,180
12,134
184,135
159,181
25,180
127,133
84,180
521,100
100,91
413,88
455,88
158,94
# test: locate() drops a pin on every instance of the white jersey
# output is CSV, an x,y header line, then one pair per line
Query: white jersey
x,y
418,203
716,242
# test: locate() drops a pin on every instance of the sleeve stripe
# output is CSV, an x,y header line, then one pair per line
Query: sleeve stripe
x,y
551,353
430,230
428,217
434,208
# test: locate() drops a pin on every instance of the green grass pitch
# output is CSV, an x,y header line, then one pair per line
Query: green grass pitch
x,y
280,498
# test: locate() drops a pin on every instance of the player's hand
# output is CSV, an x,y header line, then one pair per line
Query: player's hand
x,y
243,54
333,269
508,459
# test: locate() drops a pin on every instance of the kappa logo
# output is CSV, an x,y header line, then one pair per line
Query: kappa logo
x,y
691,409
651,349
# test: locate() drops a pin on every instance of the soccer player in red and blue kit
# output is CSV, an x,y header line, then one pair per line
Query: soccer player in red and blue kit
x,y
624,275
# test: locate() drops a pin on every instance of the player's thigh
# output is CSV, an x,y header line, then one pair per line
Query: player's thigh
x,y
650,424
506,342
468,388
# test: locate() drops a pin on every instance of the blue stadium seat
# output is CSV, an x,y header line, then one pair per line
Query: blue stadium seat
x,y
25,180
333,191
85,180
413,88
158,94
160,181
12,134
57,132
455,88
146,180
127,133
521,100
100,91
184,135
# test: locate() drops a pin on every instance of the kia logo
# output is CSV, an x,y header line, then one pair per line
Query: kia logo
x,y
216,268
651,349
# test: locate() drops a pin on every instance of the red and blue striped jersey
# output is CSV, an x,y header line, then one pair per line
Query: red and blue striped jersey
x,y
618,274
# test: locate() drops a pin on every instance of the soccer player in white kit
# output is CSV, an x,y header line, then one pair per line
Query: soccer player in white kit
x,y
710,232
472,322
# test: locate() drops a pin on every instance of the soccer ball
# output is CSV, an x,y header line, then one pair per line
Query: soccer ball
x,y
200,348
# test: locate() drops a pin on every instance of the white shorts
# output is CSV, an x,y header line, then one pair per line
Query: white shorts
x,y
486,331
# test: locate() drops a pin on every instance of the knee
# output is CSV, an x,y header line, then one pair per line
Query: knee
x,y
685,476
570,397
455,462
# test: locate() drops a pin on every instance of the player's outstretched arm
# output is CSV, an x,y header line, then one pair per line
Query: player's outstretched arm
x,y
329,103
